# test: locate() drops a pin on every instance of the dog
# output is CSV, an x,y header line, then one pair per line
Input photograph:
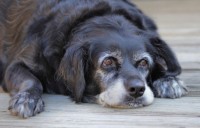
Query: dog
x,y
95,51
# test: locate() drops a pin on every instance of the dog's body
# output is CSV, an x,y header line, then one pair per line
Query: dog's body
x,y
102,51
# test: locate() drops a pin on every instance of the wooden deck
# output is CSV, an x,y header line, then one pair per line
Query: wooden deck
x,y
179,23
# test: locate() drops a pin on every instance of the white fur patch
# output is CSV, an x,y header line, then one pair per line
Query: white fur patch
x,y
114,95
148,96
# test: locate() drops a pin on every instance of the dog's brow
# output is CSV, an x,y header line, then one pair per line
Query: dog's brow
x,y
140,55
117,54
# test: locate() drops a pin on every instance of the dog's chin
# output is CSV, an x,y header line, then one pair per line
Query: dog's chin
x,y
131,103
125,105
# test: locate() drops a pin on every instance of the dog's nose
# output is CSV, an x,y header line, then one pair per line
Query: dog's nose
x,y
136,88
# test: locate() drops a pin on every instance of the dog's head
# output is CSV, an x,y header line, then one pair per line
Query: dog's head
x,y
119,67
111,59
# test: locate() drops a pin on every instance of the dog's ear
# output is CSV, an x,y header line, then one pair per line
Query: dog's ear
x,y
71,70
164,57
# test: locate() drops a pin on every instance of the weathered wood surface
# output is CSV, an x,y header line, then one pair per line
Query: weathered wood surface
x,y
179,25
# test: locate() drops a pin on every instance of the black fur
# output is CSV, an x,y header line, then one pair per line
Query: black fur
x,y
51,48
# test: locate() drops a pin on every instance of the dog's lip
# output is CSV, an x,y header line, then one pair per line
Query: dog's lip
x,y
126,105
130,103
133,102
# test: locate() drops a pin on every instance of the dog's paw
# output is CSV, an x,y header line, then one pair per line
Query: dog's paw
x,y
25,105
169,87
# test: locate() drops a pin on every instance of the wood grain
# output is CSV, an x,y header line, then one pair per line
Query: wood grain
x,y
179,25
62,112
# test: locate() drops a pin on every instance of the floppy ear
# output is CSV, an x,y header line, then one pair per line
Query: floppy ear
x,y
163,80
71,69
163,52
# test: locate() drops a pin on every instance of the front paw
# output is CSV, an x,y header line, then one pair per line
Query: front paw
x,y
169,87
25,105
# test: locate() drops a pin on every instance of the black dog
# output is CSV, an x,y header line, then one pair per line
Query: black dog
x,y
98,51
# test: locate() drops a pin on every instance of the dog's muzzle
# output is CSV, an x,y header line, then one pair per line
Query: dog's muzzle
x,y
131,94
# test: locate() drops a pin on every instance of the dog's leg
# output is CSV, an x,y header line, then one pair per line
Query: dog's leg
x,y
165,83
25,90
169,87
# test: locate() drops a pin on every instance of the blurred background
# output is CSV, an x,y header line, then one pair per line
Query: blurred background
x,y
179,24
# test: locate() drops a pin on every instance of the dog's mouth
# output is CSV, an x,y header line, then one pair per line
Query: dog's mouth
x,y
132,102
129,103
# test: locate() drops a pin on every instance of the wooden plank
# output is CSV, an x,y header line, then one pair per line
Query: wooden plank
x,y
192,81
171,8
186,49
62,112
188,57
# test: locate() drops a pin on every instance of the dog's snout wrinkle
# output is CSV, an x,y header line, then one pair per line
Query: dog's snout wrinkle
x,y
135,88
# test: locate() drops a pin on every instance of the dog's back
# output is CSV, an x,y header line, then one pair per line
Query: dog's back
x,y
14,16
4,4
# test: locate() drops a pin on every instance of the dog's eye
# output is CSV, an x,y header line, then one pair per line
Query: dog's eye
x,y
143,63
108,62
